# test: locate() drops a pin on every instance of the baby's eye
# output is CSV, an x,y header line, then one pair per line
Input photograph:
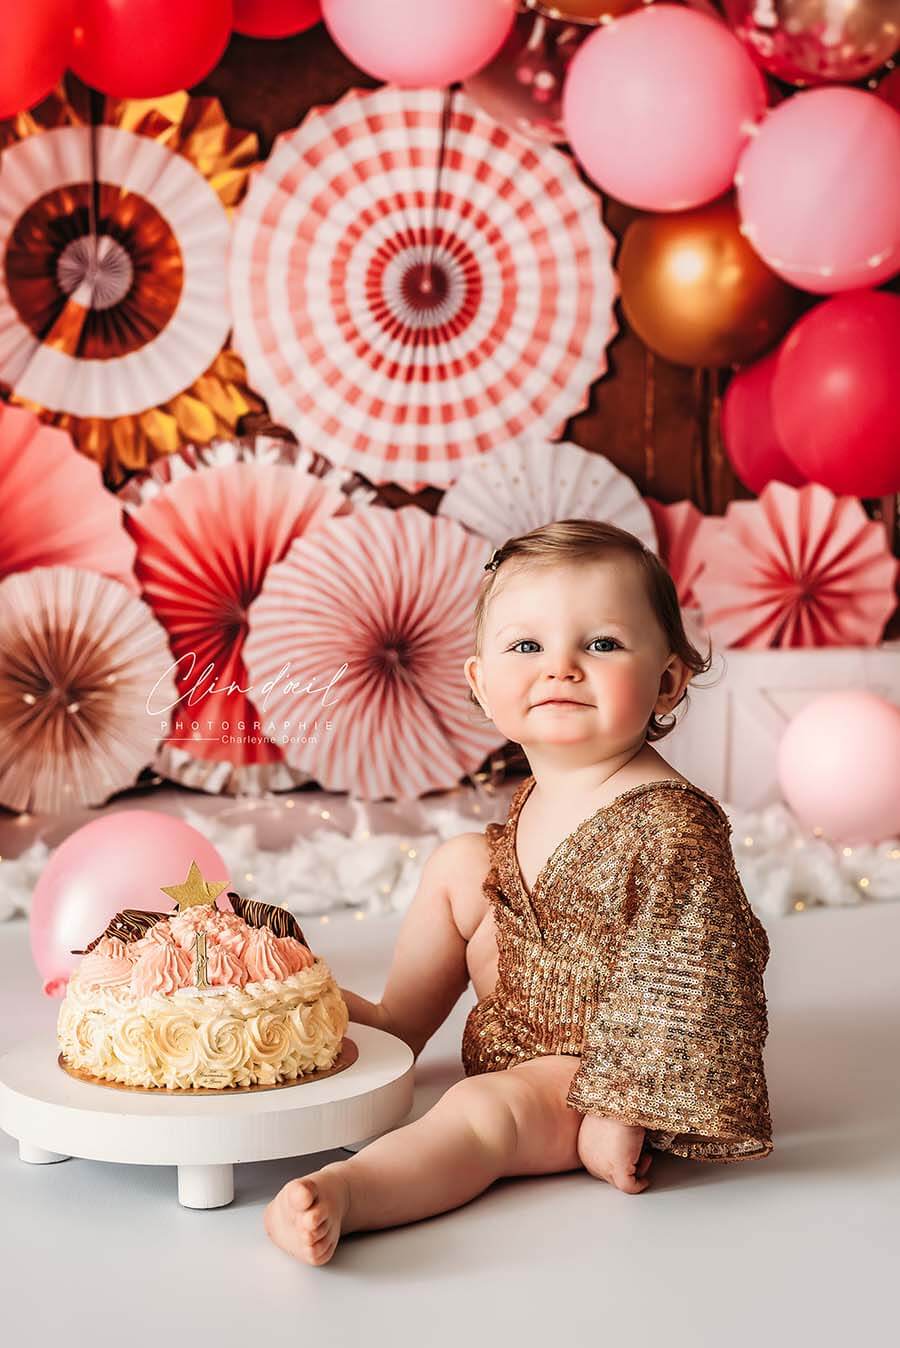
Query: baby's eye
x,y
611,643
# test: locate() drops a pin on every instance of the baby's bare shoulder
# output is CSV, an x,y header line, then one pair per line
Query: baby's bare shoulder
x,y
461,865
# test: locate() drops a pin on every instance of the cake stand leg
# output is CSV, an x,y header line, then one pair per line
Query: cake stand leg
x,y
205,1186
37,1155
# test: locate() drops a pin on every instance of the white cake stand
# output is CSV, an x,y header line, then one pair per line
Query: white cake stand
x,y
53,1116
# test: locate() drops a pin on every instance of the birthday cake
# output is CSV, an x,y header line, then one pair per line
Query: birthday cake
x,y
201,998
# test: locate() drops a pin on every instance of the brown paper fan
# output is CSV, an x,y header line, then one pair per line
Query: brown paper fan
x,y
80,659
113,305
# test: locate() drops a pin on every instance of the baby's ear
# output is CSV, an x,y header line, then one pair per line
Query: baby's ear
x,y
674,679
472,671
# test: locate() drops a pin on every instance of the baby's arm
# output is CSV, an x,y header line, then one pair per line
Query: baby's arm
x,y
428,972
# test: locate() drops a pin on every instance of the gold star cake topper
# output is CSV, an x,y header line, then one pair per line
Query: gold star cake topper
x,y
195,890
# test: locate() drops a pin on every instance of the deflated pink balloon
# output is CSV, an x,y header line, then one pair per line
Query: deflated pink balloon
x,y
657,107
819,190
834,393
749,432
117,861
419,42
839,766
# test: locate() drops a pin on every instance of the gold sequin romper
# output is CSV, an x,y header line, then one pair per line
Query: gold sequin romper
x,y
638,952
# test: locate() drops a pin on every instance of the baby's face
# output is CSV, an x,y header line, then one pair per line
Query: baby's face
x,y
583,633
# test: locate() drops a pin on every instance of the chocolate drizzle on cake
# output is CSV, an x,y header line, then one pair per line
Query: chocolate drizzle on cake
x,y
133,923
258,914
129,925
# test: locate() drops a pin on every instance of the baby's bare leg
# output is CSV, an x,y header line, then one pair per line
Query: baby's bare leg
x,y
512,1122
428,971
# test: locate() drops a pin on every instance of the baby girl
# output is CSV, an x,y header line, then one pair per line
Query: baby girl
x,y
617,964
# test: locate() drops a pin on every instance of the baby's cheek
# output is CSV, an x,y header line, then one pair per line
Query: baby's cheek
x,y
624,699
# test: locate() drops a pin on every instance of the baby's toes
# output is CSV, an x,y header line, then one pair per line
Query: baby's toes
x,y
302,1196
323,1247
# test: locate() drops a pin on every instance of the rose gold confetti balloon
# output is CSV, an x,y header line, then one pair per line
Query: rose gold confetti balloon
x,y
817,41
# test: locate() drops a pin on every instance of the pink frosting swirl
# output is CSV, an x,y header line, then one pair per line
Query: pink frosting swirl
x,y
161,968
223,928
108,962
224,968
163,960
159,934
297,955
264,957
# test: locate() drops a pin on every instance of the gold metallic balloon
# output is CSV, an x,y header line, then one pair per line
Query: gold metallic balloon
x,y
586,11
696,293
811,42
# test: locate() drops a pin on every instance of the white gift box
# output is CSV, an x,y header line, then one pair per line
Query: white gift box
x,y
727,738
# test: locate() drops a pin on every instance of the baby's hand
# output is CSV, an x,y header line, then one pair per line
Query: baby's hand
x,y
611,1150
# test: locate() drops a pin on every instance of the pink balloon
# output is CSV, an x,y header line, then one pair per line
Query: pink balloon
x,y
419,42
819,190
834,394
839,766
657,106
749,432
117,861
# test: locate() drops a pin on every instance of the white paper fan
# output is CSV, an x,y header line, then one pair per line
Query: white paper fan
x,y
529,482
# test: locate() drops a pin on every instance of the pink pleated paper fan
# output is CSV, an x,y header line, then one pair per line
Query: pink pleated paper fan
x,y
208,525
414,284
679,527
797,567
374,613
80,656
54,507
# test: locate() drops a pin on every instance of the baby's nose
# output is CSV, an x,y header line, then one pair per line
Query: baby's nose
x,y
563,667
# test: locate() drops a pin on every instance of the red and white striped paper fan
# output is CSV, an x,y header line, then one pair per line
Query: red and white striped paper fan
x,y
390,595
410,289
208,522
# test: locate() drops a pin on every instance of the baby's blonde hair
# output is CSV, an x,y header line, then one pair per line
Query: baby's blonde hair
x,y
567,541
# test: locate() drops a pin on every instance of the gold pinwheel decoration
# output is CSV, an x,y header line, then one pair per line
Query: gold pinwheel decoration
x,y
114,234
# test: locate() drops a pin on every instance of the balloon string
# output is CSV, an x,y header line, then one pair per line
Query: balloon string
x,y
649,413
446,117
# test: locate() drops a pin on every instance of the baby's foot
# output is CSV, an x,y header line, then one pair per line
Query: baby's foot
x,y
305,1217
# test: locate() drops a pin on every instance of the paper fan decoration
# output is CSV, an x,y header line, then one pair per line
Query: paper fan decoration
x,y
679,528
256,449
380,606
797,568
53,506
205,539
82,664
412,289
528,483
113,304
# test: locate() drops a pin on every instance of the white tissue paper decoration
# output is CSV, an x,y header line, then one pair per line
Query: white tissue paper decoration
x,y
782,869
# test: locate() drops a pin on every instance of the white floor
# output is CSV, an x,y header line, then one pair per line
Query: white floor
x,y
800,1248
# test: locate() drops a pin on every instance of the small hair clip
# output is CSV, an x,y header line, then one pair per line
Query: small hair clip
x,y
495,560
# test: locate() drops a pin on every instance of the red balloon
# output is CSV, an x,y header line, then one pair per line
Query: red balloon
x,y
748,430
275,18
146,48
888,89
34,51
834,395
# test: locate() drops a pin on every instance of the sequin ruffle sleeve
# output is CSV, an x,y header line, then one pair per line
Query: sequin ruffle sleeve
x,y
676,1043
